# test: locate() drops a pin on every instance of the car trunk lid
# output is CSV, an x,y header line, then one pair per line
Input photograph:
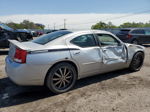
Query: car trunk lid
x,y
26,46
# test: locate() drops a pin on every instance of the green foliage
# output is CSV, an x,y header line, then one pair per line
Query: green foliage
x,y
25,25
102,25
135,25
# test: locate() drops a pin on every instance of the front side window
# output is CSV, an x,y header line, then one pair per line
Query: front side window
x,y
107,40
84,41
124,31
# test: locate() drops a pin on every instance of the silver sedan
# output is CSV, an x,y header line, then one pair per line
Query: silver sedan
x,y
58,59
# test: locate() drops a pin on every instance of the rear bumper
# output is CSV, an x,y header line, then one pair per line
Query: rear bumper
x,y
23,74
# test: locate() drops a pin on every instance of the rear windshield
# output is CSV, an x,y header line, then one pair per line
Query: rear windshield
x,y
124,31
44,39
6,27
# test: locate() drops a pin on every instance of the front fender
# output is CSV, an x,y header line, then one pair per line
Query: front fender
x,y
132,49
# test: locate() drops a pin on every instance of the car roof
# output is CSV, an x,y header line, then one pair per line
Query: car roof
x,y
133,28
22,31
91,31
83,32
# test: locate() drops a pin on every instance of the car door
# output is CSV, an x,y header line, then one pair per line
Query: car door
x,y
87,54
147,36
139,35
3,39
113,51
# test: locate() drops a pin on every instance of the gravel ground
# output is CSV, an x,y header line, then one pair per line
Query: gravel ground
x,y
120,91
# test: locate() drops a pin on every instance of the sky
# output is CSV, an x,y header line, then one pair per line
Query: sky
x,y
79,14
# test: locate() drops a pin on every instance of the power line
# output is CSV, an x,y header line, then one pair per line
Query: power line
x,y
107,19
114,18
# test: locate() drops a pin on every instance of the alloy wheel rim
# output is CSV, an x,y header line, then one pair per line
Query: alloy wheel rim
x,y
62,78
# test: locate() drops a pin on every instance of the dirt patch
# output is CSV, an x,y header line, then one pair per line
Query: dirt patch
x,y
120,91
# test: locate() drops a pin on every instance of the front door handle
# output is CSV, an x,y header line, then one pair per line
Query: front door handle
x,y
77,53
104,50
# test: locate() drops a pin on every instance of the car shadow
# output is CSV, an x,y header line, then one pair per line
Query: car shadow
x,y
11,94
4,52
146,45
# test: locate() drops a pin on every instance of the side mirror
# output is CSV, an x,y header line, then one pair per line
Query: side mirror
x,y
120,44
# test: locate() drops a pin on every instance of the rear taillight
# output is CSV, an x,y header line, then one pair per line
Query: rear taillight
x,y
20,56
129,36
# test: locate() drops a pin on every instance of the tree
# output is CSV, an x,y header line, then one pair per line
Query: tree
x,y
110,25
25,25
134,25
13,25
102,25
41,26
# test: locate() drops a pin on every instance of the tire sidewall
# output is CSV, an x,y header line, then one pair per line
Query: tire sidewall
x,y
132,68
49,81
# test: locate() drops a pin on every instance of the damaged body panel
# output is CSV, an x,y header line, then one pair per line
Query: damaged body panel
x,y
87,52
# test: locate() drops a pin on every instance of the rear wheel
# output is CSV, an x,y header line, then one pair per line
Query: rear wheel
x,y
61,78
137,61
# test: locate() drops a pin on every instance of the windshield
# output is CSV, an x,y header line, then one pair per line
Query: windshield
x,y
6,27
126,31
44,39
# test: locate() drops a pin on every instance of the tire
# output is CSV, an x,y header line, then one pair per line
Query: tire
x,y
137,62
61,78
135,42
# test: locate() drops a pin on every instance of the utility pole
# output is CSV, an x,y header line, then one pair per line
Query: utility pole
x,y
48,26
64,23
54,26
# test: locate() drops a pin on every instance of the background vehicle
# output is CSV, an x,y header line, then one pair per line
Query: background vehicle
x,y
5,34
23,35
9,33
60,58
113,30
135,35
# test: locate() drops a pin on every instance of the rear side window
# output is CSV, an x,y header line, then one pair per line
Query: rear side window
x,y
84,41
138,31
44,39
147,32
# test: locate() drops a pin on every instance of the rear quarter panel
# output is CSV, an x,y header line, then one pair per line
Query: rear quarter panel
x,y
40,63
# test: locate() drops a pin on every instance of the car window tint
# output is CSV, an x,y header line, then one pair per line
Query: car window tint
x,y
125,31
147,32
138,31
44,39
84,41
3,26
106,40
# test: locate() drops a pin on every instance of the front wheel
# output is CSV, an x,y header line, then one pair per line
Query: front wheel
x,y
135,42
137,61
61,78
